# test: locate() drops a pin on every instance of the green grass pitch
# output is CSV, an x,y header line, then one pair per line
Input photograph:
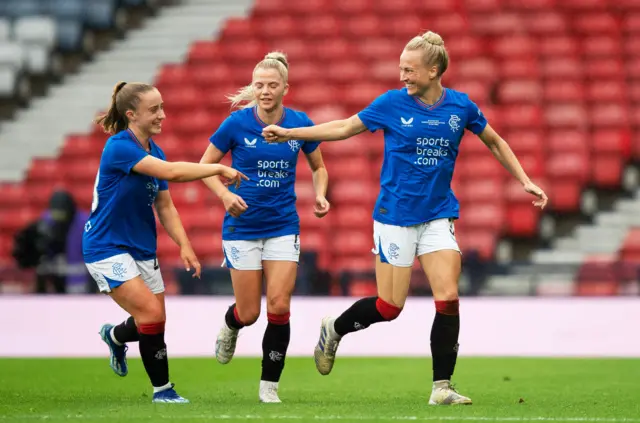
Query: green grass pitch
x,y
358,390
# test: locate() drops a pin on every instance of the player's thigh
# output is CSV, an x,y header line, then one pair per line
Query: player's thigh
x,y
152,276
281,281
395,249
244,260
280,258
439,255
247,289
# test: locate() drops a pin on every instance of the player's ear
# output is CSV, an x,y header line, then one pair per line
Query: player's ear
x,y
129,114
286,89
433,72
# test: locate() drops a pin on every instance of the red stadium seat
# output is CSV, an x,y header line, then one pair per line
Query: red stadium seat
x,y
352,217
447,23
560,91
351,243
631,23
565,116
607,170
530,5
515,46
519,68
564,195
501,23
573,6
320,26
559,46
482,241
520,92
602,46
570,165
352,8
631,246
546,23
615,141
568,140
596,22
352,192
309,7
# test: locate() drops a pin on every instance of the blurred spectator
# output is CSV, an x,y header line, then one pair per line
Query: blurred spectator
x,y
53,246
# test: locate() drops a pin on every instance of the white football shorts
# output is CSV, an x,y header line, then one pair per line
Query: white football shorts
x,y
112,272
249,254
400,245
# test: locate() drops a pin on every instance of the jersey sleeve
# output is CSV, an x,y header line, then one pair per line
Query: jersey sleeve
x,y
375,116
309,147
122,156
476,122
222,139
163,185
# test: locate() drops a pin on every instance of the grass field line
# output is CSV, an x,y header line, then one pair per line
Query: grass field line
x,y
238,417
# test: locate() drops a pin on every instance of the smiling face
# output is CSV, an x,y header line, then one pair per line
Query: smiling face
x,y
416,75
269,88
149,113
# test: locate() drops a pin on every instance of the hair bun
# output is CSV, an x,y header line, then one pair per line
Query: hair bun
x,y
433,38
279,56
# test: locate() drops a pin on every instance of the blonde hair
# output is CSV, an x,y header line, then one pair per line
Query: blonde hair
x,y
434,52
274,60
126,96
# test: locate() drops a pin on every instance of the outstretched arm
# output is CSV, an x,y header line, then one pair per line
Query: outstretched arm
x,y
331,131
184,171
501,151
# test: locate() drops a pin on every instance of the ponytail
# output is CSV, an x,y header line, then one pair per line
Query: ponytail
x,y
244,95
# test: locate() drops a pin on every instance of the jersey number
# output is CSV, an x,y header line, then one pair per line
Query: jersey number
x,y
94,203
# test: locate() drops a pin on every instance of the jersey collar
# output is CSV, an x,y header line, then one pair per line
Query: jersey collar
x,y
434,105
255,115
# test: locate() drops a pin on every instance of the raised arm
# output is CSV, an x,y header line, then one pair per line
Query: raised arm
x,y
331,131
184,171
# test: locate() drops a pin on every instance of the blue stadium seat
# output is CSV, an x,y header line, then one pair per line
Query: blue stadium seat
x,y
99,14
69,35
66,9
18,8
130,3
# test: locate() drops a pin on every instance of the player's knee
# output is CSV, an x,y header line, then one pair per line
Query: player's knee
x,y
279,304
448,293
153,313
387,310
248,315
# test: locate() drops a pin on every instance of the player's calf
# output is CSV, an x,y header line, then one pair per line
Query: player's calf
x,y
444,339
363,313
360,315
153,352
274,350
126,331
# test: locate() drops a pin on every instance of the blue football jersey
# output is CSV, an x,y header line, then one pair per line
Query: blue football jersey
x,y
271,168
420,149
122,218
